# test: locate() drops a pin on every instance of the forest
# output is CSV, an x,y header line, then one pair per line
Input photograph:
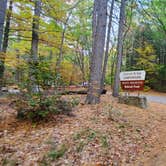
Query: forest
x,y
60,62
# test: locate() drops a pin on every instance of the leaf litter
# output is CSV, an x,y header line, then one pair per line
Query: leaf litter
x,y
105,134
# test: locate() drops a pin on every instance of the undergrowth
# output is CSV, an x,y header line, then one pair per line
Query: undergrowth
x,y
39,107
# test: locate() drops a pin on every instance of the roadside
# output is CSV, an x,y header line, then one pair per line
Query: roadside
x,y
152,96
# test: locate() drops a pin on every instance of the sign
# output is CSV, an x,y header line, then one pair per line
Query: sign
x,y
132,80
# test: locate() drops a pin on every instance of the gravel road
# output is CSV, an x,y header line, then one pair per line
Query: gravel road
x,y
151,97
157,99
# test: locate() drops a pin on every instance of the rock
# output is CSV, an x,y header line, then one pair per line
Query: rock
x,y
138,101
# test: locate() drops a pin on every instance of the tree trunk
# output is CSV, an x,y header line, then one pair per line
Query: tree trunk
x,y
107,45
3,6
17,74
60,57
35,31
119,49
7,27
80,60
112,70
99,32
34,48
6,38
83,65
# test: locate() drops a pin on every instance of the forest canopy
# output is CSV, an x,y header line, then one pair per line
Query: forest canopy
x,y
51,43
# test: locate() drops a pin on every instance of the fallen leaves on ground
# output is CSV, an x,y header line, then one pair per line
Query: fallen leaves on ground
x,y
105,134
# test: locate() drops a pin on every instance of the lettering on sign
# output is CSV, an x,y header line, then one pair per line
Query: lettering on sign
x,y
132,80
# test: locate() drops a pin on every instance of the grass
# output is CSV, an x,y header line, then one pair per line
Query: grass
x,y
80,146
84,137
55,154
104,141
8,162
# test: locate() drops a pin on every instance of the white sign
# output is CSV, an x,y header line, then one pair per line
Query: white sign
x,y
132,75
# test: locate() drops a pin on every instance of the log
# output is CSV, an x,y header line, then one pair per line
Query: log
x,y
80,92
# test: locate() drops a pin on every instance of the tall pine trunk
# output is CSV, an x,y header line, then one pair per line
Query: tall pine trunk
x,y
99,33
33,87
3,6
107,45
119,50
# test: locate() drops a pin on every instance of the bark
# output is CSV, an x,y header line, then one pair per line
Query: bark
x,y
107,45
119,50
17,75
99,32
35,31
34,48
3,6
82,65
112,70
7,27
6,38
80,60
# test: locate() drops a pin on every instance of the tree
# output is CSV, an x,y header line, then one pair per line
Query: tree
x,y
146,59
7,27
82,32
99,33
119,49
6,37
34,47
3,6
107,45
154,12
63,34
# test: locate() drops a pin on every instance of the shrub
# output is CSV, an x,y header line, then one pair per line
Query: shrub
x,y
158,83
75,101
146,88
38,107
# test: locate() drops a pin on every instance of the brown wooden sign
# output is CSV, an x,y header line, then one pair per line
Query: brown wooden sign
x,y
132,80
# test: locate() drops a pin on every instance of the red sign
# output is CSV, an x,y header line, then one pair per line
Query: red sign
x,y
132,80
132,85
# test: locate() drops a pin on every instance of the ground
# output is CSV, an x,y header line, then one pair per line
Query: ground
x,y
105,134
